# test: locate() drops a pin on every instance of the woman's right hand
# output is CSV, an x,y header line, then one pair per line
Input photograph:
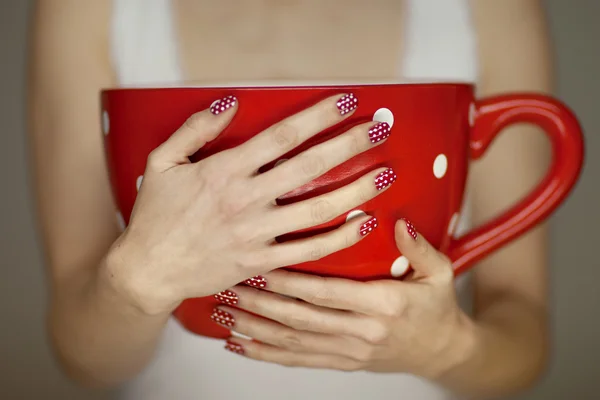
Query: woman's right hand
x,y
199,228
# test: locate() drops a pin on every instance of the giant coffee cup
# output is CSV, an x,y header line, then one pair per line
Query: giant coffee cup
x,y
438,129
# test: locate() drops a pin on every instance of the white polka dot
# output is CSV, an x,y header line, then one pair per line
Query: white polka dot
x,y
452,224
384,115
355,214
400,266
440,166
279,162
472,112
105,123
213,103
138,182
120,221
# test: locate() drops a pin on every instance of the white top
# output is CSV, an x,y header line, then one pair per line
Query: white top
x,y
440,45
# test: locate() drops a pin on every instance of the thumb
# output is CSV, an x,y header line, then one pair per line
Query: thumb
x,y
199,129
425,260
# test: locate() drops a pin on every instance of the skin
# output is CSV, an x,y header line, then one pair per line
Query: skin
x,y
111,296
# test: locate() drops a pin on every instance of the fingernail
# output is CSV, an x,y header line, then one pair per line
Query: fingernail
x,y
223,104
347,103
227,297
385,179
410,228
379,132
234,347
257,282
223,317
368,226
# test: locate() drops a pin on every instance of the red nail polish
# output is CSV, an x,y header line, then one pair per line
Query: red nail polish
x,y
222,105
223,318
347,103
368,226
257,282
227,297
234,347
410,228
385,179
379,132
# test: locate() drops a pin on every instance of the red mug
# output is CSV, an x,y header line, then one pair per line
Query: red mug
x,y
439,128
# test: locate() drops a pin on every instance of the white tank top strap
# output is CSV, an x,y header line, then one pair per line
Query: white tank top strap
x,y
143,43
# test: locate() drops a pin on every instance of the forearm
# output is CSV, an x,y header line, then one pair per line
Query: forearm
x,y
504,352
99,338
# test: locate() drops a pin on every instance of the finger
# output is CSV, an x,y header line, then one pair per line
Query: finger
x,y
319,159
425,260
287,134
371,298
275,334
316,247
300,315
198,129
326,207
263,352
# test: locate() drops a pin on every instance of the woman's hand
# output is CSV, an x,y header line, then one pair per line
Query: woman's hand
x,y
413,326
198,228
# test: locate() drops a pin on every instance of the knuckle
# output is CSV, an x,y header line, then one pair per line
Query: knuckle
x,y
297,321
285,136
230,205
356,142
446,274
364,354
350,366
394,306
195,122
317,251
291,340
362,196
350,240
312,165
322,296
290,362
379,333
423,249
250,262
322,211
154,159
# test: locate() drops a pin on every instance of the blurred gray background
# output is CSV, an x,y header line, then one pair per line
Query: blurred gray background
x,y
26,366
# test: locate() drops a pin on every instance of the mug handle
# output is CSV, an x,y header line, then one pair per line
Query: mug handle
x,y
488,117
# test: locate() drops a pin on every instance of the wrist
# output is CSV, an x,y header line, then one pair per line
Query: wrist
x,y
462,350
117,279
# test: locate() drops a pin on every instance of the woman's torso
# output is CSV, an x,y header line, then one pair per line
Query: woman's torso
x,y
165,42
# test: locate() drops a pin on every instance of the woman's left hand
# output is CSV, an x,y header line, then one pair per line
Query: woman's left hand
x,y
413,326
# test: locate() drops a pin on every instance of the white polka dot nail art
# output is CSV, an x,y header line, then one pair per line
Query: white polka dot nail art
x,y
223,318
368,227
227,297
222,105
385,179
347,103
234,347
257,282
379,132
